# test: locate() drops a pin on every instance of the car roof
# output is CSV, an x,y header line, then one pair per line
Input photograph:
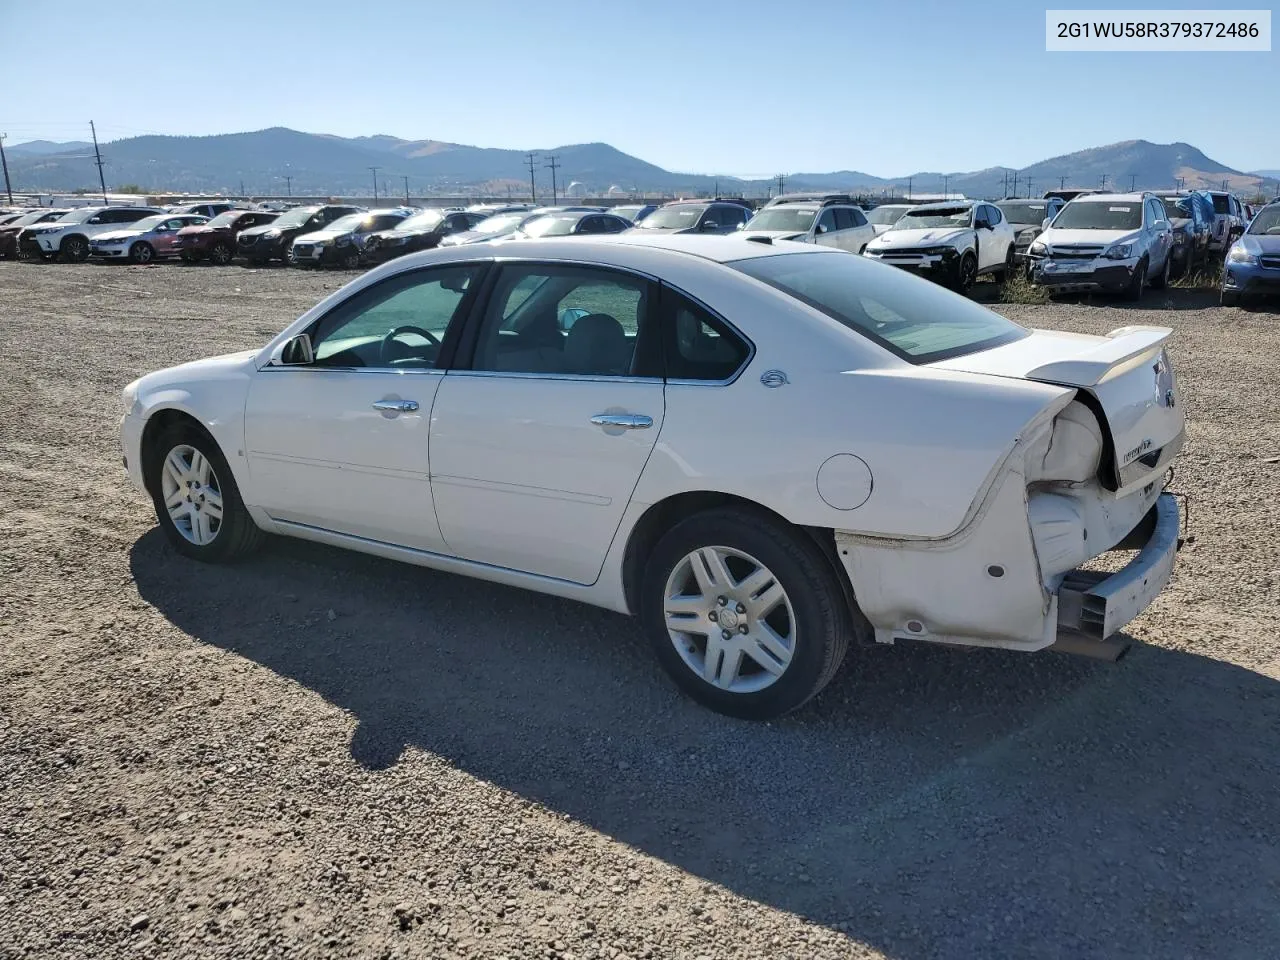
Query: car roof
x,y
1135,197
945,204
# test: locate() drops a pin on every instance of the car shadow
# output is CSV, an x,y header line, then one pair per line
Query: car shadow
x,y
930,803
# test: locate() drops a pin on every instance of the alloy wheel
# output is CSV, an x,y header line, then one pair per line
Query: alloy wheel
x,y
729,619
192,494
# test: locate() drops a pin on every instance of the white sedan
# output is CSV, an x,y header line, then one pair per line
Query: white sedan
x,y
765,450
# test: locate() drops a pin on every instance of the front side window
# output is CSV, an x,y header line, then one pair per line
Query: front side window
x,y
919,322
827,222
400,323
567,320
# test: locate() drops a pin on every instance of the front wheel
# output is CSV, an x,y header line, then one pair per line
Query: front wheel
x,y
1229,298
966,273
74,250
142,252
1010,265
220,254
1162,280
196,500
1137,283
350,259
745,614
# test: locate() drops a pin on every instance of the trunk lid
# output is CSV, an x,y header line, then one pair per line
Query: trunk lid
x,y
1125,376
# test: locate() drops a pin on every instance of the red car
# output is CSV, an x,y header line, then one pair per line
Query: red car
x,y
216,240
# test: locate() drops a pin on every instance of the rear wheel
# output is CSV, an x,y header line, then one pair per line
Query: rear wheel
x,y
196,500
142,252
74,249
745,614
220,253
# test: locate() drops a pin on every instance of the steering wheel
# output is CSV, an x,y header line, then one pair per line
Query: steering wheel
x,y
385,349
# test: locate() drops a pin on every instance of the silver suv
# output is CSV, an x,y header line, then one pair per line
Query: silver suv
x,y
834,221
1118,242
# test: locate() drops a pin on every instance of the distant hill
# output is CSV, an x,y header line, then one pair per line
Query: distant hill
x,y
278,159
39,148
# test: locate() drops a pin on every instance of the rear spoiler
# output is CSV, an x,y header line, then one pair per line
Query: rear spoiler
x,y
1091,366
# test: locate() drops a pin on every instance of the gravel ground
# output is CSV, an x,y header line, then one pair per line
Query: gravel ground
x,y
320,754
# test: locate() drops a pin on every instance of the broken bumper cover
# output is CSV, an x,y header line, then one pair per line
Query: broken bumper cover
x,y
1097,604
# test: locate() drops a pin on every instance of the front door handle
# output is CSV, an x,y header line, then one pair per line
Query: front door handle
x,y
627,421
395,406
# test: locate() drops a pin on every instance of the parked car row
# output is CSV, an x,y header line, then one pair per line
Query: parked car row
x,y
1069,240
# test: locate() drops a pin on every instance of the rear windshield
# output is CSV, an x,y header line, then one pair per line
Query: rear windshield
x,y
1221,204
919,321
677,216
1100,215
1024,211
799,219
882,216
933,218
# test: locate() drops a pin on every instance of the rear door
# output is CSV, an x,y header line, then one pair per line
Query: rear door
x,y
537,445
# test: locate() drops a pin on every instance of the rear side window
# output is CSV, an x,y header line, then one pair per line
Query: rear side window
x,y
919,322
696,344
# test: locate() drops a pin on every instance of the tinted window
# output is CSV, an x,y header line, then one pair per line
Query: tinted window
x,y
827,221
419,305
124,215
994,215
572,321
856,216
919,322
698,345
613,224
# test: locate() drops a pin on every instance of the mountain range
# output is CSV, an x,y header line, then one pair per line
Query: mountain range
x,y
278,160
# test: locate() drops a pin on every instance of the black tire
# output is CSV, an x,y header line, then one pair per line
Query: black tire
x,y
1137,284
142,252
237,535
73,249
220,254
1162,281
822,626
350,259
1229,298
966,272
188,257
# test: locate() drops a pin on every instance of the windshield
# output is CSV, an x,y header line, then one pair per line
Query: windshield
x,y
1266,220
797,219
225,219
884,216
934,217
502,223
1176,208
1100,215
628,213
550,226
1026,211
920,322
148,223
38,216
295,217
80,215
679,216
426,220
1221,204
350,223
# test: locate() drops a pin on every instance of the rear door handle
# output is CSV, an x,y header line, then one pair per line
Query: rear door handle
x,y
395,406
627,421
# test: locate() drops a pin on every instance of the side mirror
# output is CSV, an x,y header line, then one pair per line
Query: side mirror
x,y
709,226
821,228
296,352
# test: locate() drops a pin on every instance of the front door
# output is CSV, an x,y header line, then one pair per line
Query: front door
x,y
343,443
537,446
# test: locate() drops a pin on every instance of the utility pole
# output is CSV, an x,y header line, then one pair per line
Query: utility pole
x,y
242,189
717,196
945,181
1180,181
782,184
910,182
1062,183
1104,181
1133,177
1015,183
5,163
1029,182
288,184
553,163
97,155
375,183
1006,183
406,189
533,193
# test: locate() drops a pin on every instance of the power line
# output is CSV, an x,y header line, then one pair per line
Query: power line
x,y
375,183
533,193
553,163
102,180
7,188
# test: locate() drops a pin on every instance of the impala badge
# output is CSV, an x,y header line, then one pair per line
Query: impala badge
x,y
773,378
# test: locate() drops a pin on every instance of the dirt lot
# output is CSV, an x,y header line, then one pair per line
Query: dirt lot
x,y
319,754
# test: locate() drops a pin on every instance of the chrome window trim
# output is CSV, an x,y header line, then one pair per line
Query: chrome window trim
x,y
585,377
391,371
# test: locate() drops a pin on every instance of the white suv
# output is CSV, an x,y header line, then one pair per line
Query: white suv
x,y
1118,242
831,222
953,242
1229,220
68,237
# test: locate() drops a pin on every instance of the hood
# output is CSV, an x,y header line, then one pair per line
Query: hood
x,y
471,236
115,236
202,228
322,236
261,229
928,236
1074,236
1260,243
226,365
1126,371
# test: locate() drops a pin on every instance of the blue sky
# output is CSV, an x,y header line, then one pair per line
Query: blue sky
x,y
746,87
